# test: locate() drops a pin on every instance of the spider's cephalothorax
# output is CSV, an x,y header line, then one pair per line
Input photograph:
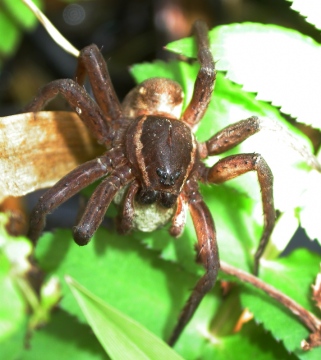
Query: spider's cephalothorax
x,y
153,160
162,151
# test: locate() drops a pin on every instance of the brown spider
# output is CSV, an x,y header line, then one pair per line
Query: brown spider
x,y
152,154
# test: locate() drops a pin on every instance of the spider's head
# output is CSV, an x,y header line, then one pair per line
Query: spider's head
x,y
166,195
163,155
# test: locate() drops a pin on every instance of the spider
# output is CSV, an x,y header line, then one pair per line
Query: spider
x,y
153,159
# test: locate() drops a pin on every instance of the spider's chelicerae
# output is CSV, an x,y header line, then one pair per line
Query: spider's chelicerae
x,y
153,157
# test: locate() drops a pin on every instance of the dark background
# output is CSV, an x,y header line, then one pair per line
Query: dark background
x,y
127,32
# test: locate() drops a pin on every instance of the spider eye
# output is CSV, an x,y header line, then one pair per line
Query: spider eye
x,y
166,178
161,173
176,175
147,196
167,200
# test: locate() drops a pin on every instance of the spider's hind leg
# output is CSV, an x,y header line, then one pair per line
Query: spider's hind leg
x,y
207,255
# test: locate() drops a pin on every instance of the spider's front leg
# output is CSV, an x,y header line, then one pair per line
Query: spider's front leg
x,y
207,254
98,204
92,63
79,101
64,189
235,165
125,218
204,83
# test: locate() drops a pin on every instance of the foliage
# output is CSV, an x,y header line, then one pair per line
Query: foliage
x,y
14,18
148,276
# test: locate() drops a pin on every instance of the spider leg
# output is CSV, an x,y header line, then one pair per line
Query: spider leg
x,y
125,221
207,255
80,102
64,189
235,165
92,63
230,136
179,218
204,83
98,204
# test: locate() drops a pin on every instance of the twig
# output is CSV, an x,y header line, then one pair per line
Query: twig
x,y
306,317
52,31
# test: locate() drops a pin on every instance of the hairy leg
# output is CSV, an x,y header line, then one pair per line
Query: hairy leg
x,y
235,165
92,63
207,255
204,83
64,189
125,219
230,136
179,218
79,101
98,204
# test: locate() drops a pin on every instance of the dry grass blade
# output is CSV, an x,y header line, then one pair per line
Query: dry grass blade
x,y
52,31
37,149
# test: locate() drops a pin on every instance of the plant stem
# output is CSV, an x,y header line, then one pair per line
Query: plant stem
x,y
306,317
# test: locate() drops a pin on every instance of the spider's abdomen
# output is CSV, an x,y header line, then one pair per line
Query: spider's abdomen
x,y
162,151
153,97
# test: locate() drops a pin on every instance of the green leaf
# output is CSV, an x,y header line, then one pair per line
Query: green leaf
x,y
215,321
14,264
252,342
266,59
18,295
15,17
292,275
63,338
122,337
311,205
9,43
309,9
12,346
135,281
123,273
21,14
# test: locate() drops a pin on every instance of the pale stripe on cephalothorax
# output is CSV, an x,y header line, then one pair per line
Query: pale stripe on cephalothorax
x,y
192,161
138,150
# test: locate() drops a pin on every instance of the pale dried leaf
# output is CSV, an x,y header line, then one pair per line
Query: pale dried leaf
x,y
37,149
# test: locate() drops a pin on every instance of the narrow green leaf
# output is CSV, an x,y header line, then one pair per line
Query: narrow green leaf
x,y
267,60
309,9
63,338
122,337
121,271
